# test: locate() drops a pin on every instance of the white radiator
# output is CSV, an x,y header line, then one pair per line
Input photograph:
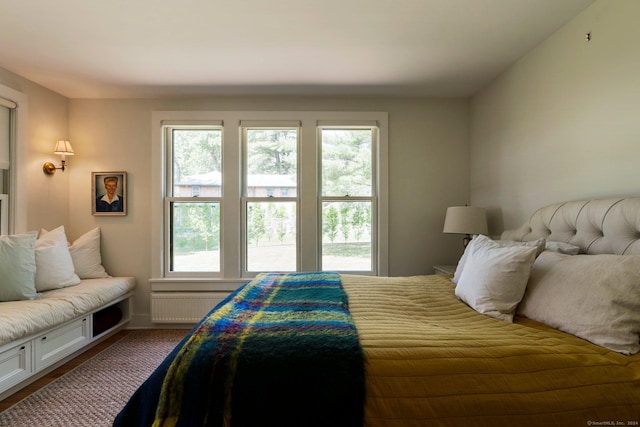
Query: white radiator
x,y
183,307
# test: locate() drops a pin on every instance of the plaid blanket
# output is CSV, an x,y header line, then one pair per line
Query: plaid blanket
x,y
280,351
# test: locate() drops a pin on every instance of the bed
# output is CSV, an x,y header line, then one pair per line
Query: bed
x,y
555,343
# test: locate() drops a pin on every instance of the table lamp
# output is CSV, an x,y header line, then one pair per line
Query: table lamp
x,y
465,220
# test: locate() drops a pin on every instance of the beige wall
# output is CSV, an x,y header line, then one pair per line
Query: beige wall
x,y
563,123
47,196
428,162
428,145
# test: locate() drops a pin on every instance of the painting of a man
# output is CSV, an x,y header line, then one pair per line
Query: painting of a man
x,y
109,194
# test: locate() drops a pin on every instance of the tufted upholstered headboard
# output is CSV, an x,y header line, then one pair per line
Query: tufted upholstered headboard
x,y
603,226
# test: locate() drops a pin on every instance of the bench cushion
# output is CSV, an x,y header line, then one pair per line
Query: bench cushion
x,y
20,319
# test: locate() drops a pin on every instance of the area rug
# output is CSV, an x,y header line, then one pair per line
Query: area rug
x,y
93,393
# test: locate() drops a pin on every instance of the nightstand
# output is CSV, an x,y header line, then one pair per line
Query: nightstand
x,y
444,269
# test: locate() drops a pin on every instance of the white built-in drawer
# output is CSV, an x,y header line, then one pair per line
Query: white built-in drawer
x,y
15,365
61,342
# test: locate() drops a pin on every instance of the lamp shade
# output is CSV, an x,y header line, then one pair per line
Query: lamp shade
x,y
64,148
465,220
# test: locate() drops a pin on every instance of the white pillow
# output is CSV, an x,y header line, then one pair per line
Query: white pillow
x,y
494,278
476,241
538,244
85,253
595,297
18,267
563,248
54,267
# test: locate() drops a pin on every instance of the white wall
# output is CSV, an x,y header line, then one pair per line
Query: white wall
x,y
563,123
428,167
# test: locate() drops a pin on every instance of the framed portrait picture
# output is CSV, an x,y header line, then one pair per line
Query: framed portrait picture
x,y
109,193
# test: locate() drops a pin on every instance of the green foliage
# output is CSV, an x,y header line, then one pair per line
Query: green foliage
x,y
345,221
281,223
346,162
196,226
330,226
196,152
347,249
255,223
358,220
270,224
272,151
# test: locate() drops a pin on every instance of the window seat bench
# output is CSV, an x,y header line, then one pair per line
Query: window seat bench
x,y
37,336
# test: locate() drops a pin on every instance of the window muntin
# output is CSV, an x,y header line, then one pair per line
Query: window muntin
x,y
270,221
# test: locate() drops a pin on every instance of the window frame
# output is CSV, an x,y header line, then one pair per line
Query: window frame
x,y
231,273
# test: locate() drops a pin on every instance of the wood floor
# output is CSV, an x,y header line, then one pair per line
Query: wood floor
x,y
57,373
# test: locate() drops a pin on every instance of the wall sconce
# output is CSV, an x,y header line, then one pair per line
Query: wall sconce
x,y
466,220
64,149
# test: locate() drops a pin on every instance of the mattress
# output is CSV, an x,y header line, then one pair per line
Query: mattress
x,y
432,360
23,318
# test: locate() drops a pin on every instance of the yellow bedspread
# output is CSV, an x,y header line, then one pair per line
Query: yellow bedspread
x,y
431,360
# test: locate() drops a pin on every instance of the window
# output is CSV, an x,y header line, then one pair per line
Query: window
x,y
271,224
194,198
13,143
4,214
246,192
348,198
6,108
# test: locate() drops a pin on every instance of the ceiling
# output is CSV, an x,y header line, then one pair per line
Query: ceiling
x,y
157,48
